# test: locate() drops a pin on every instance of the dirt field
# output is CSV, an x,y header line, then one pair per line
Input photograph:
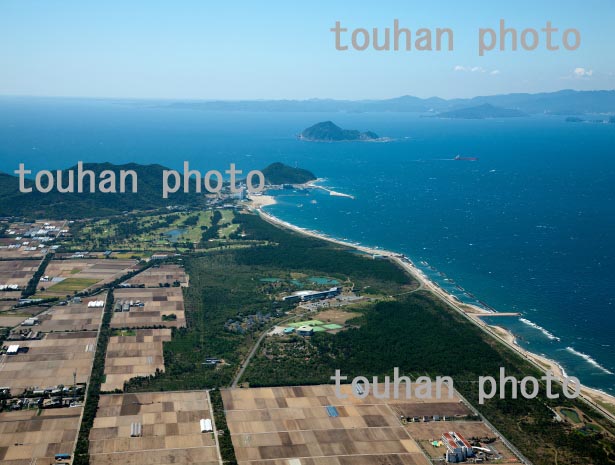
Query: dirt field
x,y
280,425
339,317
49,361
10,321
6,305
132,356
16,272
442,409
157,303
170,430
26,438
72,317
68,276
153,277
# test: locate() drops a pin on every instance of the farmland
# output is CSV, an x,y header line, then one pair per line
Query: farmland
x,y
132,354
170,430
158,305
30,436
50,361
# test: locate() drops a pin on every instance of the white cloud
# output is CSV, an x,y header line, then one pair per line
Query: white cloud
x,y
583,73
475,69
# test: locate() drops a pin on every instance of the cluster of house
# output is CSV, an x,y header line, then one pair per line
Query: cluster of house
x,y
51,397
124,305
245,324
35,238
9,287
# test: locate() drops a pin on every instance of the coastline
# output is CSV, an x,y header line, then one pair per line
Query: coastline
x,y
473,313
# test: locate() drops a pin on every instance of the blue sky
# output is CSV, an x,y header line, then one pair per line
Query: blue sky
x,y
281,49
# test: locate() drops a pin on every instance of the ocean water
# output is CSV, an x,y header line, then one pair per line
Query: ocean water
x,y
528,227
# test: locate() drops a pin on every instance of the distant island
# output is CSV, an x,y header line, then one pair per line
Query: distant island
x,y
576,119
279,173
483,111
564,102
328,131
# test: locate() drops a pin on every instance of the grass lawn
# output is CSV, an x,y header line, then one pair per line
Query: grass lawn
x,y
72,284
124,332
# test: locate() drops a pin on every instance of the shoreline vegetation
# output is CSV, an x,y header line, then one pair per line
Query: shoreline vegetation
x,y
603,402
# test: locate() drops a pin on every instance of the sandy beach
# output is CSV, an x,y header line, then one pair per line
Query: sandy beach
x,y
260,201
592,396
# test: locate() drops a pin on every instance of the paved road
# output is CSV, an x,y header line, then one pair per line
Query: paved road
x,y
255,347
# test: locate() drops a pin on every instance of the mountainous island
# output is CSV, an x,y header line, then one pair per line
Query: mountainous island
x,y
328,131
279,173
483,111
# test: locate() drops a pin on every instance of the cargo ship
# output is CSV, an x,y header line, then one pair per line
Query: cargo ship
x,y
460,158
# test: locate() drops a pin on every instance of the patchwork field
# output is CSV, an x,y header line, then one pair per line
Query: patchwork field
x,y
49,361
159,306
16,273
67,276
165,274
129,356
72,317
27,438
292,425
170,431
6,305
10,321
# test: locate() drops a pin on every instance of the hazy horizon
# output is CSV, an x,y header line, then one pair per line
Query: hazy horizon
x,y
306,99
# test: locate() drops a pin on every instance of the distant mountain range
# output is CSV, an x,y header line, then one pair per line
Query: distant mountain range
x,y
483,111
565,102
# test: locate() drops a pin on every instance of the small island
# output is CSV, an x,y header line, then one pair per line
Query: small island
x,y
577,119
279,173
485,111
328,131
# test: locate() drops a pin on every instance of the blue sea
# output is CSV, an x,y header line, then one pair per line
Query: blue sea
x,y
528,227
